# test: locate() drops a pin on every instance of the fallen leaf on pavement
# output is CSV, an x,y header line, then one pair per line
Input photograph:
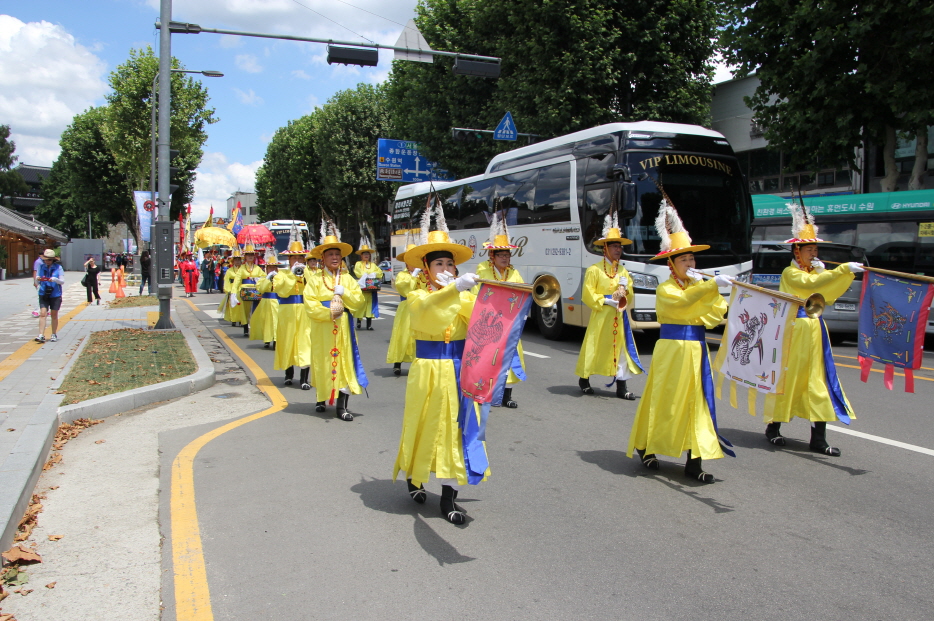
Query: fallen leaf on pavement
x,y
19,554
55,537
11,429
99,441
50,585
54,487
94,382
23,592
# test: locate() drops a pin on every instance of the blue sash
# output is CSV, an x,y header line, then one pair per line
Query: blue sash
x,y
357,361
375,307
270,296
830,372
293,299
402,298
677,332
473,432
630,343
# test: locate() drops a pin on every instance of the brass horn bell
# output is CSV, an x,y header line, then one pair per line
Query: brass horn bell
x,y
545,289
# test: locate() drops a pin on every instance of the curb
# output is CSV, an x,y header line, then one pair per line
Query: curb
x,y
21,472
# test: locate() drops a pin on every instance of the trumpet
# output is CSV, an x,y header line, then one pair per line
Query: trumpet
x,y
545,289
813,305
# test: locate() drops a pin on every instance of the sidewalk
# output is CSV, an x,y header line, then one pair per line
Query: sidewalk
x,y
30,411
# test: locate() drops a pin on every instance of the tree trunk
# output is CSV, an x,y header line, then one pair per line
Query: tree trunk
x,y
916,182
890,180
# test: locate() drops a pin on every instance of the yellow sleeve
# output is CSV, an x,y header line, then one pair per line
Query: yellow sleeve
x,y
353,296
313,307
264,285
237,279
405,283
379,272
358,269
698,304
829,283
432,313
284,283
590,293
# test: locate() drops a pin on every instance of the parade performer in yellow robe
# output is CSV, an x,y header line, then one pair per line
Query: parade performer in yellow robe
x,y
232,313
401,341
442,431
608,347
499,267
812,389
678,412
247,275
265,319
331,295
293,330
365,270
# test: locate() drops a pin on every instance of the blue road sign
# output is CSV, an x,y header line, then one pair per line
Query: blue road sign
x,y
506,130
400,160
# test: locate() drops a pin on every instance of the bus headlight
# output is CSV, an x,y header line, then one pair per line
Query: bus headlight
x,y
643,281
744,276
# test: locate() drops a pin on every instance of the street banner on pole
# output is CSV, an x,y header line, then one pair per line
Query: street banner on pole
x,y
144,215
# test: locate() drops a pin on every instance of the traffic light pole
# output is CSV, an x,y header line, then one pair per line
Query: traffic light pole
x,y
163,251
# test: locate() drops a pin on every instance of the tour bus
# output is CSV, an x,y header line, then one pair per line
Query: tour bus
x,y
558,191
893,230
281,229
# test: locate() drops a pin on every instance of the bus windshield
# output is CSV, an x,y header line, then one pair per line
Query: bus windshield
x,y
708,193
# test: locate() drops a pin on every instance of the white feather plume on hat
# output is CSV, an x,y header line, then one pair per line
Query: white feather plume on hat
x,y
433,207
800,217
610,222
668,221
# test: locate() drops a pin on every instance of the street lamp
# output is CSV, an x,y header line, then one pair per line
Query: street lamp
x,y
165,320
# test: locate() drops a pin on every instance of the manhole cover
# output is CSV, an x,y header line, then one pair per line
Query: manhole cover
x,y
226,395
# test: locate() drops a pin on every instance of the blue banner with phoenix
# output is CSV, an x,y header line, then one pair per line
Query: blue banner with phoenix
x,y
893,313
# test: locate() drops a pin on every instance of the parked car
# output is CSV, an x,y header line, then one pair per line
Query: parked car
x,y
386,266
841,317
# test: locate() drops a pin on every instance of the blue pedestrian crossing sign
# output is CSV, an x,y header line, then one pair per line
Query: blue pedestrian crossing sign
x,y
506,130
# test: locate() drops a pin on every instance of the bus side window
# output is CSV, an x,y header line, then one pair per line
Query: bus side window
x,y
452,213
597,201
516,193
476,206
553,194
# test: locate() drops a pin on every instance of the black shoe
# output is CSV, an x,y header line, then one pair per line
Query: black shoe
x,y
622,392
774,434
819,440
266,345
369,323
449,510
507,399
694,470
342,410
358,324
397,369
246,331
303,375
289,374
319,406
649,461
584,383
418,494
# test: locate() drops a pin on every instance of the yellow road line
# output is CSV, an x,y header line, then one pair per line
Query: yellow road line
x,y
192,595
27,349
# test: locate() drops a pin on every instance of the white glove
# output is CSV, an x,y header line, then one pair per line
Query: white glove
x,y
723,280
416,272
610,302
445,278
233,300
624,280
362,281
855,267
817,264
271,274
694,274
338,289
465,282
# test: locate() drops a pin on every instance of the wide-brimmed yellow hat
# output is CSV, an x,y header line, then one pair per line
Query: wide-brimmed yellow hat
x,y
236,252
802,226
612,235
500,242
295,247
365,247
401,255
249,249
331,241
675,238
438,241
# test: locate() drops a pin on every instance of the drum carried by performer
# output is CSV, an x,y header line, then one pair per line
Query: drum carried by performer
x,y
678,412
369,277
245,278
812,390
608,347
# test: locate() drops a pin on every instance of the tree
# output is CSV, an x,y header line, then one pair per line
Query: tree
x,y
833,75
11,182
566,65
85,179
128,126
287,183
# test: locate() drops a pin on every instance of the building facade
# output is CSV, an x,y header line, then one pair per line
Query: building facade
x,y
247,202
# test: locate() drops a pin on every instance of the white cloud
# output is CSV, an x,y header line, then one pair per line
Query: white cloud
x,y
46,78
248,98
723,72
313,104
231,41
217,179
301,75
248,63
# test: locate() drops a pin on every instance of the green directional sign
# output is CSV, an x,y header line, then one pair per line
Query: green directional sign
x,y
771,206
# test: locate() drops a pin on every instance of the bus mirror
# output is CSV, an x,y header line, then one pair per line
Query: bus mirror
x,y
621,171
626,199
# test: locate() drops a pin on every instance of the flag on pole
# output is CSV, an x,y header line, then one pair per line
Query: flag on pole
x,y
188,238
893,314
753,344
236,220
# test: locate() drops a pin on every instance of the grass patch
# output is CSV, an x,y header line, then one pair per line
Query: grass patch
x,y
118,360
132,301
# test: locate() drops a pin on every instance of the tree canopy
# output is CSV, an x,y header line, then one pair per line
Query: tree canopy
x,y
11,182
833,74
566,65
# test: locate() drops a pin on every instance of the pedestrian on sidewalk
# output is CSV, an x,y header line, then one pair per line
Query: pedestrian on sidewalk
x,y
89,281
145,266
207,273
50,278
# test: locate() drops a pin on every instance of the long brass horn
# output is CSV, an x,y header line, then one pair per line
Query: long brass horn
x,y
545,289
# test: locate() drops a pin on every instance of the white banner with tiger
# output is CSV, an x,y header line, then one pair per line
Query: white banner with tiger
x,y
754,340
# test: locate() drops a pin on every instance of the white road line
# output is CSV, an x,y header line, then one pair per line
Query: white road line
x,y
208,304
881,440
528,353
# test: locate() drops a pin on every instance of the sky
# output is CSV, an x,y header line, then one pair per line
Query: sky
x,y
56,57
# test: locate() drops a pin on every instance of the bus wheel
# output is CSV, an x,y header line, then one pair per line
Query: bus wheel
x,y
550,322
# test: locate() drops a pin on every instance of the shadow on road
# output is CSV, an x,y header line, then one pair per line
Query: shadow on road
x,y
392,498
799,448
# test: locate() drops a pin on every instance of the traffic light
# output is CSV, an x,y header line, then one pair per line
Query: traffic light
x,y
352,56
466,135
173,170
476,68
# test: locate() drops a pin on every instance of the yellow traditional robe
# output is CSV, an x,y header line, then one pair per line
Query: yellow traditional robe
x,y
601,347
265,318
320,288
359,270
402,341
806,394
293,332
487,271
431,441
229,310
673,415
